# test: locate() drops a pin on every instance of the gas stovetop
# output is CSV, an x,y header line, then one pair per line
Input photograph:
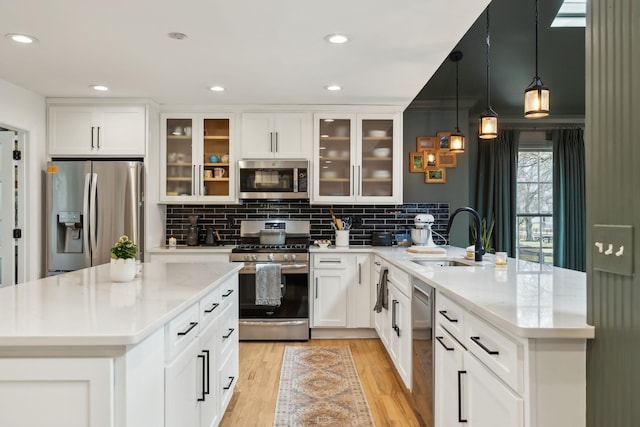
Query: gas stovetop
x,y
258,248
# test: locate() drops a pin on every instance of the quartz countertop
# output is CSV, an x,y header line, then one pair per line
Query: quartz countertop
x,y
518,298
85,308
184,249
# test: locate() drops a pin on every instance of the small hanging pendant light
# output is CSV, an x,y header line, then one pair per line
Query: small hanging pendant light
x,y
536,95
456,140
488,126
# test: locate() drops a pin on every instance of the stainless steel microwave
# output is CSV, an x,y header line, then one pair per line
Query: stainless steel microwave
x,y
273,179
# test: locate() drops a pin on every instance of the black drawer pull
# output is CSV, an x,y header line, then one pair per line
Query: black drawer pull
x,y
229,334
444,345
213,307
186,331
482,346
228,386
229,292
444,313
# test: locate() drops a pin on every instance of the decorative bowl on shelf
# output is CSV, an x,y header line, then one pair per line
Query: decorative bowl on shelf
x,y
214,159
381,174
377,133
382,152
329,174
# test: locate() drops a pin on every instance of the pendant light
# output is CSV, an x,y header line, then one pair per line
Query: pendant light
x,y
488,126
536,95
456,140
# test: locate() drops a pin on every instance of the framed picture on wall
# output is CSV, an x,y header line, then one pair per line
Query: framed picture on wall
x,y
447,159
435,176
431,159
416,162
427,143
443,140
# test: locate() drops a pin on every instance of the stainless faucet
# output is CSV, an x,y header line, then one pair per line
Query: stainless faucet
x,y
479,251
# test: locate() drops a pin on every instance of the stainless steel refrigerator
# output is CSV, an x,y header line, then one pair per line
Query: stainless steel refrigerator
x,y
90,204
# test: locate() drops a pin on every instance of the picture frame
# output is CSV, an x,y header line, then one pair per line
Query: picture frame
x,y
443,140
424,143
416,162
447,159
435,176
431,159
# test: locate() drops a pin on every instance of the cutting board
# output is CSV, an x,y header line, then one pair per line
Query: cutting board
x,y
426,250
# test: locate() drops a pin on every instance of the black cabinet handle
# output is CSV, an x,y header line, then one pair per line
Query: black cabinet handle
x,y
482,346
229,292
460,419
229,334
98,138
208,367
186,331
228,386
394,312
444,345
204,363
444,313
92,144
213,307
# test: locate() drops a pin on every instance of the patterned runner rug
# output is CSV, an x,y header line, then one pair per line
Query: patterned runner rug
x,y
319,386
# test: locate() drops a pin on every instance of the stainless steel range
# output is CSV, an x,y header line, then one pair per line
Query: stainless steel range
x,y
274,282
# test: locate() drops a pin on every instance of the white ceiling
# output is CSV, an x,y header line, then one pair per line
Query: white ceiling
x,y
262,52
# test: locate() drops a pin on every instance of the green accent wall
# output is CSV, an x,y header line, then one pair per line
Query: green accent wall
x,y
612,157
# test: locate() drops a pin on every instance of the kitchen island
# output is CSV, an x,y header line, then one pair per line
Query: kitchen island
x,y
79,350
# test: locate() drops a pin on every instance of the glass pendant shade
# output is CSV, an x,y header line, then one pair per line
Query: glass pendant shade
x,y
456,142
536,100
488,124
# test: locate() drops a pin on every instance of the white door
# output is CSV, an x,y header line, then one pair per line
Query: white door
x,y
8,208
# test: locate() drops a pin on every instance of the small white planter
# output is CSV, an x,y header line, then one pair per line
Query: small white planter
x,y
123,270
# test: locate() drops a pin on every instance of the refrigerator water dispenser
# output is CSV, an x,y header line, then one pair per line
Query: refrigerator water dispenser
x,y
69,232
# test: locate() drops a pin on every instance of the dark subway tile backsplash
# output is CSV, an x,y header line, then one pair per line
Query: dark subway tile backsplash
x,y
396,219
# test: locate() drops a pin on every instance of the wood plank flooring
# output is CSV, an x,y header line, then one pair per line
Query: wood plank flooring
x,y
255,395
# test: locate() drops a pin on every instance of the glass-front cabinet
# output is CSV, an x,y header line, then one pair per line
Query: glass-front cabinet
x,y
357,158
196,163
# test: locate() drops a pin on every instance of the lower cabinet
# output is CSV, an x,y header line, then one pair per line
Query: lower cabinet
x,y
341,290
182,388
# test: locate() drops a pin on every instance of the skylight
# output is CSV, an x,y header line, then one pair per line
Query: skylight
x,y
572,13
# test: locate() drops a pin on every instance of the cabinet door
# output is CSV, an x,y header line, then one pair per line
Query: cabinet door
x,y
359,293
217,172
70,392
378,170
122,131
400,333
382,319
71,130
177,158
257,136
292,136
183,388
449,359
330,298
488,402
210,399
334,157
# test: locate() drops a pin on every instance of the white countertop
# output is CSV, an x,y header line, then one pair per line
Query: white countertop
x,y
84,308
183,249
519,298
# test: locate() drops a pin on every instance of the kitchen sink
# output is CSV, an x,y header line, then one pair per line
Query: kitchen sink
x,y
441,262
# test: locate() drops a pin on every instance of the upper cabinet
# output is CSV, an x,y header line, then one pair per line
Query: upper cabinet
x,y
197,158
276,136
357,158
96,130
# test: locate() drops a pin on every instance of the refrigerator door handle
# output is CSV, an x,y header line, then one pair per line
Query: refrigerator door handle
x,y
85,219
92,214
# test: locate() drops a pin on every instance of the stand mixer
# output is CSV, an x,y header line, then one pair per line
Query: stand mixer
x,y
421,234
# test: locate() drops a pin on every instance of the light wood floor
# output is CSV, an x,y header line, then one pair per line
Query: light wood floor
x,y
255,395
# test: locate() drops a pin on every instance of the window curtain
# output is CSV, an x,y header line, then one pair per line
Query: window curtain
x,y
569,210
496,188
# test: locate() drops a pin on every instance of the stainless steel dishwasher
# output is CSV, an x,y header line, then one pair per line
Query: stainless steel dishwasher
x,y
422,321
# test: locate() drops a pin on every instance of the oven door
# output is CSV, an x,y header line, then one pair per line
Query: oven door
x,y
289,320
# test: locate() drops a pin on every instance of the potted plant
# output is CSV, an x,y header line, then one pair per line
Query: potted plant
x,y
123,260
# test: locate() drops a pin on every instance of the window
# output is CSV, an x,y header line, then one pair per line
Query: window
x,y
534,203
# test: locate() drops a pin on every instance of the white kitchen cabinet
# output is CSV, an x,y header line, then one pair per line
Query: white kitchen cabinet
x,y
182,388
96,130
177,255
197,158
357,158
342,290
381,320
70,392
276,136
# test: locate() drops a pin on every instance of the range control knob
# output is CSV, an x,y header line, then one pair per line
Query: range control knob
x,y
247,258
270,257
255,257
286,257
293,257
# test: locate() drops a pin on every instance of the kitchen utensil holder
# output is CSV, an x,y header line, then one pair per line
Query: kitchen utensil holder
x,y
342,238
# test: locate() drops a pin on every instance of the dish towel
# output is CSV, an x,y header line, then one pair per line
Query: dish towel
x,y
382,301
268,278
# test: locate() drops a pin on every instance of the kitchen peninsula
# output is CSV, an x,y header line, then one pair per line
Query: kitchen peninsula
x,y
80,350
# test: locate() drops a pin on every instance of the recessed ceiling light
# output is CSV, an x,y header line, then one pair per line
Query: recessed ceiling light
x,y
22,38
101,88
337,38
333,87
177,36
216,88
